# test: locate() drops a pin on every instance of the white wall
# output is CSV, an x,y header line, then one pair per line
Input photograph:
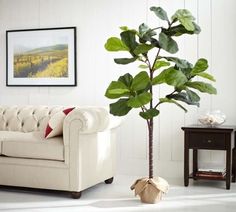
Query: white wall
x,y
95,22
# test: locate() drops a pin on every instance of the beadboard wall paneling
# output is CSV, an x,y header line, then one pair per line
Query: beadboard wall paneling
x,y
95,22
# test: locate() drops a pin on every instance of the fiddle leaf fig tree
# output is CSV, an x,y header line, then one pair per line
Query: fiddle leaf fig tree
x,y
136,91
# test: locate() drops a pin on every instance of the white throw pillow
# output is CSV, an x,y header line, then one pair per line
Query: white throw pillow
x,y
55,123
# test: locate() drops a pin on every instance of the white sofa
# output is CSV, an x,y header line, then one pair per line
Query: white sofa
x,y
81,158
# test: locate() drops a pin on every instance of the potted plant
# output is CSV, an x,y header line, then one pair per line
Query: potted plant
x,y
137,91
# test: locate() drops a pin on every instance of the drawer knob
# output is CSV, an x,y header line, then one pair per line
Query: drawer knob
x,y
209,141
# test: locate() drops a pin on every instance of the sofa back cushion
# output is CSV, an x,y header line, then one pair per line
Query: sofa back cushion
x,y
26,118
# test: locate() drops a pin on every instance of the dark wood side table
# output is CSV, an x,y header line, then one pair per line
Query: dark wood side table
x,y
211,138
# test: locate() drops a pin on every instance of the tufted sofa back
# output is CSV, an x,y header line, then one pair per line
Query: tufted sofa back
x,y
26,118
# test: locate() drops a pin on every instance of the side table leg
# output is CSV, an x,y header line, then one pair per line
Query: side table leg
x,y
195,163
228,166
186,163
233,165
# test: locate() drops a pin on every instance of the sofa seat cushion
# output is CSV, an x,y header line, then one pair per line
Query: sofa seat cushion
x,y
31,145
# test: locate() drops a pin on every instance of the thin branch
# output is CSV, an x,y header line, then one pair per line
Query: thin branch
x,y
155,28
162,102
158,52
143,109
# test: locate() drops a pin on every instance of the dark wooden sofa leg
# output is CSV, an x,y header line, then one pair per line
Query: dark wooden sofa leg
x,y
76,195
109,181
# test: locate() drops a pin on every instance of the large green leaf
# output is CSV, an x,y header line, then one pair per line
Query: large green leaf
x,y
115,44
192,95
200,66
175,78
185,18
202,86
206,76
160,63
120,108
139,100
183,96
167,43
128,38
166,100
160,78
124,61
171,76
143,29
142,48
126,79
179,62
149,113
180,30
117,89
160,13
145,32
140,81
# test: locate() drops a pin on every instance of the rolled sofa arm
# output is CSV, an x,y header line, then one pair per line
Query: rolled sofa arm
x,y
92,119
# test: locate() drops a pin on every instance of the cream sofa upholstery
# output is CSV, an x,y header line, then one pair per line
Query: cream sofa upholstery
x,y
81,158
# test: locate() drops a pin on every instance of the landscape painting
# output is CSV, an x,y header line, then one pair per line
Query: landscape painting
x,y
45,61
41,57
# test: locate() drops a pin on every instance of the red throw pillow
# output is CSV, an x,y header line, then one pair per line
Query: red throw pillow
x,y
55,124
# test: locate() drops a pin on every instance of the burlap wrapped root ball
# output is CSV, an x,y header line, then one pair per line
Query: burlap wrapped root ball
x,y
150,190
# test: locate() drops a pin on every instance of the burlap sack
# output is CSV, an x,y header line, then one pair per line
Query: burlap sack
x,y
150,190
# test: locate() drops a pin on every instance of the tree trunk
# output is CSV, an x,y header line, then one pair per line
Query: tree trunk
x,y
150,138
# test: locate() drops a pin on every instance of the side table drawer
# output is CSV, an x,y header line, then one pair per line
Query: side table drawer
x,y
203,140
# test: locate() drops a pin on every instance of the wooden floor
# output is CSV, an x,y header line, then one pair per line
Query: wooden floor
x,y
201,196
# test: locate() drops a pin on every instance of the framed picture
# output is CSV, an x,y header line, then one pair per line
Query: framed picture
x,y
41,57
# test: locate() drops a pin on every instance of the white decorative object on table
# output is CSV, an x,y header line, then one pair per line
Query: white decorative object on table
x,y
212,118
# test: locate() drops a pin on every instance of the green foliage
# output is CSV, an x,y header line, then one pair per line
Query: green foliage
x,y
126,79
145,33
124,61
171,76
180,63
200,66
206,76
128,38
137,91
167,43
185,18
160,13
142,48
114,44
140,81
180,30
160,63
148,114
117,89
120,108
184,97
140,100
202,87
167,100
